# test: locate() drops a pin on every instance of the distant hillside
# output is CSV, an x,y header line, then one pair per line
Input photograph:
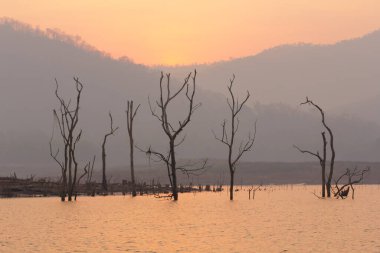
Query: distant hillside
x,y
337,76
367,109
31,59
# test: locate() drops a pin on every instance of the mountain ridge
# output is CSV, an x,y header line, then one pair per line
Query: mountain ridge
x,y
29,63
77,41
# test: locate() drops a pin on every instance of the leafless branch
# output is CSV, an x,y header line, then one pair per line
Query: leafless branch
x,y
111,132
228,139
67,117
172,131
332,160
354,176
309,152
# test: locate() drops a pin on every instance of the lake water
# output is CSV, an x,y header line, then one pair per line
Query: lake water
x,y
280,219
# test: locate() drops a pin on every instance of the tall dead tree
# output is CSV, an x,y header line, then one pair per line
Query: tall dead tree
x,y
228,137
111,132
131,114
322,161
67,117
332,149
166,98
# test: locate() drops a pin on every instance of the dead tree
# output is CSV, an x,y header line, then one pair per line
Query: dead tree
x,y
354,176
131,114
67,118
253,190
90,170
228,139
331,135
111,132
322,161
87,171
172,131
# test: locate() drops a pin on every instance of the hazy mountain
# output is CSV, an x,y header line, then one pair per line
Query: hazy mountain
x,y
336,76
367,108
30,60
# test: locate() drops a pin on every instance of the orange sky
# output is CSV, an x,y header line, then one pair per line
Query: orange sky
x,y
197,31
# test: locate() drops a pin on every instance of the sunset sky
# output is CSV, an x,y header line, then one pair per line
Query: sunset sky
x,y
198,31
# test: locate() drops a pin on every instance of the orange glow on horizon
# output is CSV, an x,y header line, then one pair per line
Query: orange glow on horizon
x,y
154,32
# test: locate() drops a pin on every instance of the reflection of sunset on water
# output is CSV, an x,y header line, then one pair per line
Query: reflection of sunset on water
x,y
280,218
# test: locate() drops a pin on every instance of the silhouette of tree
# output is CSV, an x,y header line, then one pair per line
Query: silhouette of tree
x,y
131,114
111,132
171,131
332,160
67,117
229,138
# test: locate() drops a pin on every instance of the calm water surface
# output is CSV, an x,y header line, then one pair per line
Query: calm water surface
x,y
280,219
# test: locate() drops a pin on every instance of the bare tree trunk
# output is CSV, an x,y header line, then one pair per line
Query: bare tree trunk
x,y
323,182
130,117
111,132
74,184
131,147
173,171
328,183
232,174
69,193
230,147
104,176
64,174
64,185
323,164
